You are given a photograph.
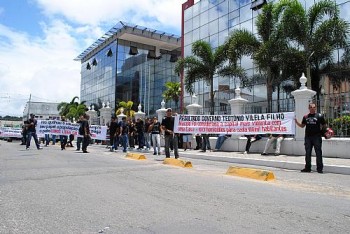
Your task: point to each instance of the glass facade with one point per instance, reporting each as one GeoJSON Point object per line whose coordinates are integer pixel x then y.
{"type": "Point", "coordinates": [125, 71]}
{"type": "Point", "coordinates": [212, 21]}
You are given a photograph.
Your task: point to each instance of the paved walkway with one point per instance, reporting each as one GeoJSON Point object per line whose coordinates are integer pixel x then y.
{"type": "Point", "coordinates": [331, 165]}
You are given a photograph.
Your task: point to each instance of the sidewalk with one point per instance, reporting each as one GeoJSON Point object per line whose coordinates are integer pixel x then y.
{"type": "Point", "coordinates": [331, 165]}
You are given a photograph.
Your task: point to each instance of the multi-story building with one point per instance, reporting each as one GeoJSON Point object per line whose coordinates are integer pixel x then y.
{"type": "Point", "coordinates": [129, 63]}
{"type": "Point", "coordinates": [213, 21]}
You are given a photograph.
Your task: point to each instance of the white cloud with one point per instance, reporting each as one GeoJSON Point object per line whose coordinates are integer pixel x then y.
{"type": "Point", "coordinates": [44, 67]}
{"type": "Point", "coordinates": [148, 13]}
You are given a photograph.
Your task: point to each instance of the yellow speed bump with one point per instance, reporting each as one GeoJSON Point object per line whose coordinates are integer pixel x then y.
{"type": "Point", "coordinates": [251, 173]}
{"type": "Point", "coordinates": [177, 162]}
{"type": "Point", "coordinates": [135, 156]}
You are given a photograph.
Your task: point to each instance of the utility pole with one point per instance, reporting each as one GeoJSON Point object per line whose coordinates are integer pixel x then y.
{"type": "Point", "coordinates": [30, 98]}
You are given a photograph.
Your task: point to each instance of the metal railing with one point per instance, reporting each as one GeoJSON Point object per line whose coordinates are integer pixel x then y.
{"type": "Point", "coordinates": [335, 108]}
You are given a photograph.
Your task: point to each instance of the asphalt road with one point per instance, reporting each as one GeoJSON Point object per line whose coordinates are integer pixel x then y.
{"type": "Point", "coordinates": [54, 191]}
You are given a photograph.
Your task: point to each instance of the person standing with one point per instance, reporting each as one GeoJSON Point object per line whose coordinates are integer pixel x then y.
{"type": "Point", "coordinates": [63, 138]}
{"type": "Point", "coordinates": [154, 128]}
{"type": "Point", "coordinates": [147, 133]}
{"type": "Point", "coordinates": [186, 141]}
{"type": "Point", "coordinates": [31, 132]}
{"type": "Point", "coordinates": [169, 135]}
{"type": "Point", "coordinates": [86, 131]}
{"type": "Point", "coordinates": [314, 123]}
{"type": "Point", "coordinates": [205, 143]}
{"type": "Point", "coordinates": [140, 129]}
{"type": "Point", "coordinates": [24, 133]}
{"type": "Point", "coordinates": [124, 130]}
{"type": "Point", "coordinates": [80, 132]}
{"type": "Point", "coordinates": [114, 134]}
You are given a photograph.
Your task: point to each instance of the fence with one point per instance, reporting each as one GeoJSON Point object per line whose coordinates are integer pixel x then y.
{"type": "Point", "coordinates": [335, 108]}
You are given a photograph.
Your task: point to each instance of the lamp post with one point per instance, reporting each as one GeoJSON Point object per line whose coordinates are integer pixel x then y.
{"type": "Point", "coordinates": [308, 70]}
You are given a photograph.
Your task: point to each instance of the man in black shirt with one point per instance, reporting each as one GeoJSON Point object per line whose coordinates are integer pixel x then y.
{"type": "Point", "coordinates": [114, 133]}
{"type": "Point", "coordinates": [169, 135]}
{"type": "Point", "coordinates": [314, 123]}
{"type": "Point", "coordinates": [86, 132]}
{"type": "Point", "coordinates": [31, 132]}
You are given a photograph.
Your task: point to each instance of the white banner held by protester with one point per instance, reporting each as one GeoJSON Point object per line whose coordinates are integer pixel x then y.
{"type": "Point", "coordinates": [7, 132]}
{"type": "Point", "coordinates": [56, 127]}
{"type": "Point", "coordinates": [274, 123]}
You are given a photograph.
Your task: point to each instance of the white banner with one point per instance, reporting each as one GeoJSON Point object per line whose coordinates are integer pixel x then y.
{"type": "Point", "coordinates": [11, 132]}
{"type": "Point", "coordinates": [56, 127]}
{"type": "Point", "coordinates": [274, 123]}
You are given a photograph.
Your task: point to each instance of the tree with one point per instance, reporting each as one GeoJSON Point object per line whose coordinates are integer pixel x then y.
{"type": "Point", "coordinates": [275, 58]}
{"type": "Point", "coordinates": [202, 66]}
{"type": "Point", "coordinates": [172, 92]}
{"type": "Point", "coordinates": [73, 109]}
{"type": "Point", "coordinates": [316, 33]}
{"type": "Point", "coordinates": [127, 108]}
{"type": "Point", "coordinates": [240, 43]}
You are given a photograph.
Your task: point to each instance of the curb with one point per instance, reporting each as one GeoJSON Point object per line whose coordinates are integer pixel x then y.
{"type": "Point", "coordinates": [135, 156]}
{"type": "Point", "coordinates": [251, 173]}
{"type": "Point", "coordinates": [177, 162]}
{"type": "Point", "coordinates": [336, 169]}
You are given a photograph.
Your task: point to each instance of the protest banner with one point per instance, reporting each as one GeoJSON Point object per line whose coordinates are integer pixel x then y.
{"type": "Point", "coordinates": [8, 132]}
{"type": "Point", "coordinates": [57, 127]}
{"type": "Point", "coordinates": [274, 123]}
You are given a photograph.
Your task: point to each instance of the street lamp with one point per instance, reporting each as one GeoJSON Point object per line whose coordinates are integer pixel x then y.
{"type": "Point", "coordinates": [308, 70]}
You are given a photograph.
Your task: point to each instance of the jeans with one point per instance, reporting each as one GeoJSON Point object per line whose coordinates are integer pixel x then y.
{"type": "Point", "coordinates": [206, 142]}
{"type": "Point", "coordinates": [156, 143]}
{"type": "Point", "coordinates": [168, 140]}
{"type": "Point", "coordinates": [124, 141]}
{"type": "Point", "coordinates": [316, 142]}
{"type": "Point", "coordinates": [29, 138]}
{"type": "Point", "coordinates": [79, 141]}
{"type": "Point", "coordinates": [147, 139]}
{"type": "Point", "coordinates": [219, 142]}
{"type": "Point", "coordinates": [63, 140]}
{"type": "Point", "coordinates": [47, 139]}
{"type": "Point", "coordinates": [86, 142]}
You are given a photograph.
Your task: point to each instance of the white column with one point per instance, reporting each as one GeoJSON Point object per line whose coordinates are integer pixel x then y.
{"type": "Point", "coordinates": [161, 112]}
{"type": "Point", "coordinates": [193, 108]}
{"type": "Point", "coordinates": [237, 103]}
{"type": "Point", "coordinates": [105, 114]}
{"type": "Point", "coordinates": [93, 115]}
{"type": "Point", "coordinates": [139, 114]}
{"type": "Point", "coordinates": [121, 115]}
{"type": "Point", "coordinates": [302, 97]}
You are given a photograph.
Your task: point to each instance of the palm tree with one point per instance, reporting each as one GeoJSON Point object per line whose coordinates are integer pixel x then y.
{"type": "Point", "coordinates": [73, 109]}
{"type": "Point", "coordinates": [172, 92]}
{"type": "Point", "coordinates": [316, 33]}
{"type": "Point", "coordinates": [126, 107]}
{"type": "Point", "coordinates": [240, 43]}
{"type": "Point", "coordinates": [202, 66]}
{"type": "Point", "coordinates": [63, 107]}
{"type": "Point", "coordinates": [275, 59]}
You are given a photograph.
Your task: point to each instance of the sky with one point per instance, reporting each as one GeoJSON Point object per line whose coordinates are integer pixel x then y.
{"type": "Point", "coordinates": [40, 38]}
